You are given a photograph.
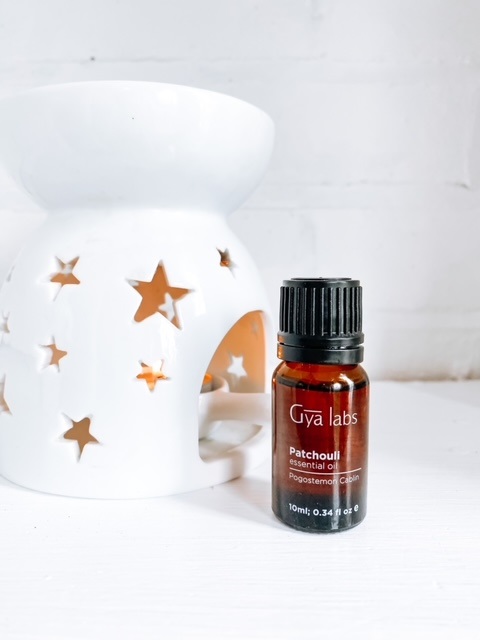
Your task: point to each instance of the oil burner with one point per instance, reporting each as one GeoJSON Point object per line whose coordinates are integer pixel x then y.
{"type": "Point", "coordinates": [133, 325]}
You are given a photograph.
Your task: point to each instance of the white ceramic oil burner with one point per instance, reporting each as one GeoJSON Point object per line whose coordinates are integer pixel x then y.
{"type": "Point", "coordinates": [134, 296]}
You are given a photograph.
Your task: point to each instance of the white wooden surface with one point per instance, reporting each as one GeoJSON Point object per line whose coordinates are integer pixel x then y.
{"type": "Point", "coordinates": [216, 564]}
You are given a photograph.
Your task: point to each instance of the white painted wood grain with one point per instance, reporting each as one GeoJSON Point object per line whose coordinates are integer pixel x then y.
{"type": "Point", "coordinates": [216, 564]}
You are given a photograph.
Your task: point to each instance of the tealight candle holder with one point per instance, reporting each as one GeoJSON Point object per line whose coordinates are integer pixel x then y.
{"type": "Point", "coordinates": [134, 295]}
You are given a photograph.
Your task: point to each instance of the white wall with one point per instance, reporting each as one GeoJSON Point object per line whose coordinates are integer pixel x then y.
{"type": "Point", "coordinates": [376, 172]}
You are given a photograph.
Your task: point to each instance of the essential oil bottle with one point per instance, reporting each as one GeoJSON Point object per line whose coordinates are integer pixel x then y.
{"type": "Point", "coordinates": [320, 406]}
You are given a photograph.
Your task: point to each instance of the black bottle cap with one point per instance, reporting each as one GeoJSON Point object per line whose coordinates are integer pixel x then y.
{"type": "Point", "coordinates": [321, 321]}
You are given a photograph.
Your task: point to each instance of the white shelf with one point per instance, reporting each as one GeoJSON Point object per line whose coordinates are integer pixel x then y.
{"type": "Point", "coordinates": [217, 564]}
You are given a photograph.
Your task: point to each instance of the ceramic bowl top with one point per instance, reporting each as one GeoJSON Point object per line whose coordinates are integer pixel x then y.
{"type": "Point", "coordinates": [144, 144]}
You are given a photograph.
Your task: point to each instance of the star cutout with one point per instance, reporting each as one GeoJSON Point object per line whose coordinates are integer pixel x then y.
{"type": "Point", "coordinates": [4, 408]}
{"type": "Point", "coordinates": [80, 432]}
{"type": "Point", "coordinates": [159, 297]}
{"type": "Point", "coordinates": [56, 354]}
{"type": "Point", "coordinates": [152, 374]}
{"type": "Point", "coordinates": [65, 273]}
{"type": "Point", "coordinates": [226, 260]}
{"type": "Point", "coordinates": [236, 367]}
{"type": "Point", "coordinates": [4, 324]}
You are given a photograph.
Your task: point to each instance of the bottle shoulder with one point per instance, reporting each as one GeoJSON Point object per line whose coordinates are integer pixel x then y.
{"type": "Point", "coordinates": [325, 377]}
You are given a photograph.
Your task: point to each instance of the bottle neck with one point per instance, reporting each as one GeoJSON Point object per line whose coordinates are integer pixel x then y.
{"type": "Point", "coordinates": [312, 355]}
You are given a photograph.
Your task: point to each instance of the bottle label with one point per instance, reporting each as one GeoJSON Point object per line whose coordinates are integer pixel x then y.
{"type": "Point", "coordinates": [320, 457]}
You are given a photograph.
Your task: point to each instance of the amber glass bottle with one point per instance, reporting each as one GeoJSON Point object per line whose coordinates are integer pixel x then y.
{"type": "Point", "coordinates": [320, 406]}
